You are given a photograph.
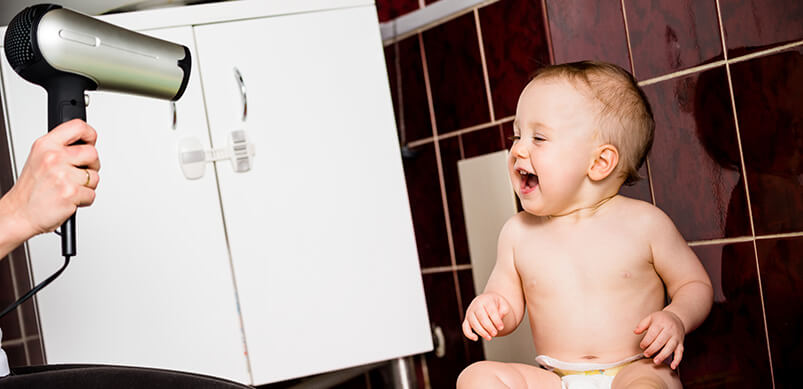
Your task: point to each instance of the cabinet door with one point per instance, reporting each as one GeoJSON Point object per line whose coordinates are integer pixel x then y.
{"type": "Point", "coordinates": [320, 229]}
{"type": "Point", "coordinates": [151, 283]}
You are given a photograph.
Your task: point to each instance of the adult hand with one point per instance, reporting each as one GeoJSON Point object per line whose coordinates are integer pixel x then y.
{"type": "Point", "coordinates": [484, 316]}
{"type": "Point", "coordinates": [57, 178]}
{"type": "Point", "coordinates": [665, 334]}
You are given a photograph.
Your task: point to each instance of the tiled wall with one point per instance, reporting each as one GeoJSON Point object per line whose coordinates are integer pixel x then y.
{"type": "Point", "coordinates": [727, 164]}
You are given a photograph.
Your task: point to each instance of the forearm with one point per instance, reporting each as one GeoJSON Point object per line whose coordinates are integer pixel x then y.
{"type": "Point", "coordinates": [13, 231]}
{"type": "Point", "coordinates": [691, 303]}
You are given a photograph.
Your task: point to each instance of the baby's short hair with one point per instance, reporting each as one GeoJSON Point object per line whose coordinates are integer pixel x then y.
{"type": "Point", "coordinates": [625, 117]}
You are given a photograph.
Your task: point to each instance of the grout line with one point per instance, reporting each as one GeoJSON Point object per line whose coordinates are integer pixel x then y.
{"type": "Point", "coordinates": [484, 65]}
{"type": "Point", "coordinates": [439, 164]}
{"type": "Point", "coordinates": [399, 94]}
{"type": "Point", "coordinates": [781, 236]}
{"type": "Point", "coordinates": [462, 150]}
{"type": "Point", "coordinates": [740, 239]}
{"type": "Point", "coordinates": [682, 73]}
{"type": "Point", "coordinates": [427, 17]}
{"type": "Point", "coordinates": [649, 180]}
{"type": "Point", "coordinates": [444, 269]}
{"type": "Point", "coordinates": [18, 341]}
{"type": "Point", "coordinates": [746, 186]}
{"type": "Point", "coordinates": [627, 38]}
{"type": "Point", "coordinates": [762, 53]}
{"type": "Point", "coordinates": [548, 32]}
{"type": "Point", "coordinates": [463, 131]}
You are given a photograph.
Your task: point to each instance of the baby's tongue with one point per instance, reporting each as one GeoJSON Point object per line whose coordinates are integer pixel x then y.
{"type": "Point", "coordinates": [532, 180]}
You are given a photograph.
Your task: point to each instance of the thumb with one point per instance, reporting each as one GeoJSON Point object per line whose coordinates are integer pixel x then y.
{"type": "Point", "coordinates": [643, 324]}
{"type": "Point", "coordinates": [503, 306]}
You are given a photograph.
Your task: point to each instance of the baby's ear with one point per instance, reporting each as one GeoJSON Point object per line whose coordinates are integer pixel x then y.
{"type": "Point", "coordinates": [605, 161]}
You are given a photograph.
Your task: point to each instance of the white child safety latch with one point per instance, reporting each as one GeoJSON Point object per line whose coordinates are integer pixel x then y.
{"type": "Point", "coordinates": [193, 158]}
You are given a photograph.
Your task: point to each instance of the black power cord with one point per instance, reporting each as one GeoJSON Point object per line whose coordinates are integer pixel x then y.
{"type": "Point", "coordinates": [36, 289]}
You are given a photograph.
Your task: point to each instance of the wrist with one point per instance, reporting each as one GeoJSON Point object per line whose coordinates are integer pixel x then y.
{"type": "Point", "coordinates": [668, 309]}
{"type": "Point", "coordinates": [14, 227]}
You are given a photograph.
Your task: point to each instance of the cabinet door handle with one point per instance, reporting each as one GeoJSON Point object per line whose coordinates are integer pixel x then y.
{"type": "Point", "coordinates": [243, 96]}
{"type": "Point", "coordinates": [173, 113]}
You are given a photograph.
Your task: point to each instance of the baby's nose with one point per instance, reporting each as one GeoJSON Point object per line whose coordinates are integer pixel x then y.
{"type": "Point", "coordinates": [519, 151]}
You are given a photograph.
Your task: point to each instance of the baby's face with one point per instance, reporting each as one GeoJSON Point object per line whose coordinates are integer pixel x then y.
{"type": "Point", "coordinates": [549, 160]}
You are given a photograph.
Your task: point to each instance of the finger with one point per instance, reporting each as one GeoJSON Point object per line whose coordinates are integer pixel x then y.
{"type": "Point", "coordinates": [73, 131]}
{"type": "Point", "coordinates": [650, 336]}
{"type": "Point", "coordinates": [665, 352]}
{"type": "Point", "coordinates": [83, 155]}
{"type": "Point", "coordinates": [88, 178]}
{"type": "Point", "coordinates": [467, 331]}
{"type": "Point", "coordinates": [477, 327]}
{"type": "Point", "coordinates": [497, 320]}
{"type": "Point", "coordinates": [488, 322]}
{"type": "Point", "coordinates": [678, 357]}
{"type": "Point", "coordinates": [504, 309]}
{"type": "Point", "coordinates": [85, 197]}
{"type": "Point", "coordinates": [643, 325]}
{"type": "Point", "coordinates": [657, 344]}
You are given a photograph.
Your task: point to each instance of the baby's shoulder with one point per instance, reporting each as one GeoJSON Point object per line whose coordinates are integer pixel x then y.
{"type": "Point", "coordinates": [641, 214]}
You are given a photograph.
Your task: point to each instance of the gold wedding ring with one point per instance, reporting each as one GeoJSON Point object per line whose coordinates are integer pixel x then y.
{"type": "Point", "coordinates": [88, 177]}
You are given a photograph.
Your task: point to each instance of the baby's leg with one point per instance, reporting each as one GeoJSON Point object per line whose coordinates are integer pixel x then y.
{"type": "Point", "coordinates": [492, 375]}
{"type": "Point", "coordinates": [645, 374]}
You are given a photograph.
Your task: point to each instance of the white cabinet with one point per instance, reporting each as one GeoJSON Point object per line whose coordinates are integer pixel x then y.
{"type": "Point", "coordinates": [304, 264]}
{"type": "Point", "coordinates": [320, 230]}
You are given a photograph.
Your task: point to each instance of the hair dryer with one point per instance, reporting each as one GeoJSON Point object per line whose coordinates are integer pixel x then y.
{"type": "Point", "coordinates": [67, 52]}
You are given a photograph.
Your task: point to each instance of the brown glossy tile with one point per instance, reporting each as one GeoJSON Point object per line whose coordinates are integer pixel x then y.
{"type": "Point", "coordinates": [450, 155]}
{"type": "Point", "coordinates": [781, 264]}
{"type": "Point", "coordinates": [23, 278]}
{"type": "Point", "coordinates": [408, 90]}
{"type": "Point", "coordinates": [670, 35]}
{"type": "Point", "coordinates": [441, 296]}
{"type": "Point", "coordinates": [474, 350]}
{"type": "Point", "coordinates": [695, 162]}
{"type": "Point", "coordinates": [729, 350]}
{"type": "Point", "coordinates": [455, 74]}
{"type": "Point", "coordinates": [769, 106]}
{"type": "Point", "coordinates": [16, 355]}
{"type": "Point", "coordinates": [641, 189]}
{"type": "Point", "coordinates": [751, 25]}
{"type": "Point", "coordinates": [358, 382]}
{"type": "Point", "coordinates": [423, 188]}
{"type": "Point", "coordinates": [507, 132]}
{"type": "Point", "coordinates": [588, 29]}
{"type": "Point", "coordinates": [515, 42]}
{"type": "Point", "coordinates": [481, 142]}
{"type": "Point", "coordinates": [9, 323]}
{"type": "Point", "coordinates": [392, 9]}
{"type": "Point", "coordinates": [35, 352]}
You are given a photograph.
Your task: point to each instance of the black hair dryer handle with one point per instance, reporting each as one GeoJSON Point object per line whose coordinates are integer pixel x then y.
{"type": "Point", "coordinates": [65, 101]}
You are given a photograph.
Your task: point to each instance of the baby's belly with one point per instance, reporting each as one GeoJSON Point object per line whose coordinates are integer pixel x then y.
{"type": "Point", "coordinates": [593, 330]}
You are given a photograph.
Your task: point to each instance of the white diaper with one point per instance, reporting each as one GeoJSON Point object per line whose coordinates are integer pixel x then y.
{"type": "Point", "coordinates": [581, 375]}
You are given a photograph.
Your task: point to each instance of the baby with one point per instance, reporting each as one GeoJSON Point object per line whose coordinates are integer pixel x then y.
{"type": "Point", "coordinates": [592, 268]}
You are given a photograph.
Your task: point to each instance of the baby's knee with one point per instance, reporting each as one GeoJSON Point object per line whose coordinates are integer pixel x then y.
{"type": "Point", "coordinates": [477, 375]}
{"type": "Point", "coordinates": [645, 382]}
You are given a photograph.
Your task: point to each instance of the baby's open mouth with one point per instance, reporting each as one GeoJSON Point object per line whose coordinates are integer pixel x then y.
{"type": "Point", "coordinates": [528, 181]}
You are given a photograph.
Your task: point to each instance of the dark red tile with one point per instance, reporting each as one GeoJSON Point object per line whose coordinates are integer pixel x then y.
{"type": "Point", "coordinates": [729, 350]}
{"type": "Point", "coordinates": [455, 74]}
{"type": "Point", "coordinates": [670, 35]}
{"type": "Point", "coordinates": [588, 30]}
{"type": "Point", "coordinates": [429, 222]}
{"type": "Point", "coordinates": [36, 352]}
{"type": "Point", "coordinates": [413, 120]}
{"type": "Point", "coordinates": [465, 278]}
{"type": "Point", "coordinates": [641, 189]}
{"type": "Point", "coordinates": [392, 9]}
{"type": "Point", "coordinates": [450, 155]}
{"type": "Point", "coordinates": [16, 355]}
{"type": "Point", "coordinates": [9, 323]}
{"type": "Point", "coordinates": [755, 24]}
{"type": "Point", "coordinates": [444, 313]}
{"type": "Point", "coordinates": [22, 273]}
{"type": "Point", "coordinates": [769, 106]}
{"type": "Point", "coordinates": [481, 142]}
{"type": "Point", "coordinates": [515, 42]}
{"type": "Point", "coordinates": [358, 382]}
{"type": "Point", "coordinates": [507, 133]}
{"type": "Point", "coordinates": [695, 163]}
{"type": "Point", "coordinates": [781, 264]}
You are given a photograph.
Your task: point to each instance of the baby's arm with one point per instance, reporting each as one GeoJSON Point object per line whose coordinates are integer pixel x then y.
{"type": "Point", "coordinates": [689, 289]}
{"type": "Point", "coordinates": [500, 308]}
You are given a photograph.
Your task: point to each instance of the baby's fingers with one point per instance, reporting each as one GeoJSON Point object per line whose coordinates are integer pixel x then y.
{"type": "Point", "coordinates": [467, 331]}
{"type": "Point", "coordinates": [496, 319]}
{"type": "Point", "coordinates": [657, 344]}
{"type": "Point", "coordinates": [666, 352]}
{"type": "Point", "coordinates": [477, 327]}
{"type": "Point", "coordinates": [678, 357]}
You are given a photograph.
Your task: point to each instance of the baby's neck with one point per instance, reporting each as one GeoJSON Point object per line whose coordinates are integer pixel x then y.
{"type": "Point", "coordinates": [582, 212]}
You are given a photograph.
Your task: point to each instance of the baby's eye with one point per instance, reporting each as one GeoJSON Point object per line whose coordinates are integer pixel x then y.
{"type": "Point", "coordinates": [538, 139]}
{"type": "Point", "coordinates": [513, 138]}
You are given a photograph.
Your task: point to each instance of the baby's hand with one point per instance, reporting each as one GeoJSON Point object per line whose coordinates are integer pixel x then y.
{"type": "Point", "coordinates": [665, 334]}
{"type": "Point", "coordinates": [484, 316]}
